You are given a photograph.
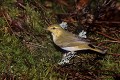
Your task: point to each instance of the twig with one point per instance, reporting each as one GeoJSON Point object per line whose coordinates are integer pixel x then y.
{"type": "Point", "coordinates": [43, 10]}
{"type": "Point", "coordinates": [21, 5]}
{"type": "Point", "coordinates": [108, 41]}
{"type": "Point", "coordinates": [107, 22]}
{"type": "Point", "coordinates": [108, 36]}
{"type": "Point", "coordinates": [35, 45]}
{"type": "Point", "coordinates": [112, 41]}
{"type": "Point", "coordinates": [114, 54]}
{"type": "Point", "coordinates": [7, 23]}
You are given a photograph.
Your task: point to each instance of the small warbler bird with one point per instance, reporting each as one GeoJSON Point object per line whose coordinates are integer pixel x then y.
{"type": "Point", "coordinates": [71, 42]}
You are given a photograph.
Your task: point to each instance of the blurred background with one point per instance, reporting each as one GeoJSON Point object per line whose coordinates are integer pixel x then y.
{"type": "Point", "coordinates": [27, 51]}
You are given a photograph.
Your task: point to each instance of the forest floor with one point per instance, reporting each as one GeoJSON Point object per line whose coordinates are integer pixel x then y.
{"type": "Point", "coordinates": [27, 51]}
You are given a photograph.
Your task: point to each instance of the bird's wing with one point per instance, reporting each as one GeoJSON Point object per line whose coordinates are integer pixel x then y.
{"type": "Point", "coordinates": [68, 36]}
{"type": "Point", "coordinates": [87, 40]}
{"type": "Point", "coordinates": [71, 44]}
{"type": "Point", "coordinates": [69, 40]}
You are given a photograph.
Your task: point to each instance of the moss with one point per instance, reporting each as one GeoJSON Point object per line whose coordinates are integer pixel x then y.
{"type": "Point", "coordinates": [29, 53]}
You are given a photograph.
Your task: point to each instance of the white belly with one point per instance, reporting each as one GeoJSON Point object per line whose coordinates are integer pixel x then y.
{"type": "Point", "coordinates": [72, 49]}
{"type": "Point", "coordinates": [54, 37]}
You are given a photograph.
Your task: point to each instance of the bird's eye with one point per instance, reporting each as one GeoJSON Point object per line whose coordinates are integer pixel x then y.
{"type": "Point", "coordinates": [53, 28]}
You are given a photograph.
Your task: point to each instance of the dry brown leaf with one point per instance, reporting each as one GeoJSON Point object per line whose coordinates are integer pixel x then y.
{"type": "Point", "coordinates": [62, 2]}
{"type": "Point", "coordinates": [81, 4]}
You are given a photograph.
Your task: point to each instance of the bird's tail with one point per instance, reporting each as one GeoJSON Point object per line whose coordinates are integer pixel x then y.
{"type": "Point", "coordinates": [97, 49]}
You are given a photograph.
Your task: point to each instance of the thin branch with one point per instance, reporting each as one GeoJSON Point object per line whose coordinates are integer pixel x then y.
{"type": "Point", "coordinates": [43, 10]}
{"type": "Point", "coordinates": [7, 23]}
{"type": "Point", "coordinates": [114, 54]}
{"type": "Point", "coordinates": [107, 22]}
{"type": "Point", "coordinates": [108, 36]}
{"type": "Point", "coordinates": [112, 41]}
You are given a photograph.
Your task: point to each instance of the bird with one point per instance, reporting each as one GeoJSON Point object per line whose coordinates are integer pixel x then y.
{"type": "Point", "coordinates": [71, 43]}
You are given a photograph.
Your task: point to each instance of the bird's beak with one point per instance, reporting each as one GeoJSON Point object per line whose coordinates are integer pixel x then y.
{"type": "Point", "coordinates": [46, 29]}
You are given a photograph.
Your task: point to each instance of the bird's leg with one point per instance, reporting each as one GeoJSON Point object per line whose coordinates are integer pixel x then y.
{"type": "Point", "coordinates": [71, 54]}
{"type": "Point", "coordinates": [67, 57]}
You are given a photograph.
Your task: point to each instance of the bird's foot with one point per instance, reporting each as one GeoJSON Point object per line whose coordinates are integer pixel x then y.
{"type": "Point", "coordinates": [66, 58]}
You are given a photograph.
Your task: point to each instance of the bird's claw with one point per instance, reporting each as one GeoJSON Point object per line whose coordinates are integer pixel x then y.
{"type": "Point", "coordinates": [66, 58]}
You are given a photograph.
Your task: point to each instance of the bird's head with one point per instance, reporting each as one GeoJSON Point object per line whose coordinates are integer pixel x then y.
{"type": "Point", "coordinates": [55, 29]}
